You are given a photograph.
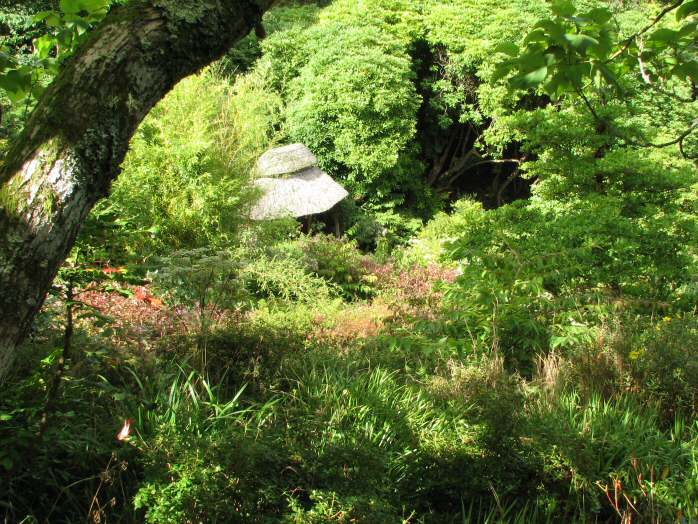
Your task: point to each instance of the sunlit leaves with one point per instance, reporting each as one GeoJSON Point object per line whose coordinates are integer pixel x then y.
{"type": "Point", "coordinates": [508, 48]}
{"type": "Point", "coordinates": [563, 8]}
{"type": "Point", "coordinates": [562, 53]}
{"type": "Point", "coordinates": [355, 105]}
{"type": "Point", "coordinates": [581, 43]}
{"type": "Point", "coordinates": [85, 8]}
{"type": "Point", "coordinates": [570, 50]}
{"type": "Point", "coordinates": [598, 16]}
{"type": "Point", "coordinates": [65, 29]}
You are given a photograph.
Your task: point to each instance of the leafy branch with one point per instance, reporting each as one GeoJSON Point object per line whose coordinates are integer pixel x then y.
{"type": "Point", "coordinates": [580, 54]}
{"type": "Point", "coordinates": [632, 39]}
{"type": "Point", "coordinates": [65, 28]}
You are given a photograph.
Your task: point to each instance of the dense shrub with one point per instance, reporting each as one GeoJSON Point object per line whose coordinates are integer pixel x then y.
{"type": "Point", "coordinates": [337, 261]}
{"type": "Point", "coordinates": [534, 274]}
{"type": "Point", "coordinates": [185, 181]}
{"type": "Point", "coordinates": [664, 364]}
{"type": "Point", "coordinates": [286, 280]}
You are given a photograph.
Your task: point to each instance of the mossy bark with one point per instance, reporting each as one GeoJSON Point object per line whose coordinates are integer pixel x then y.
{"type": "Point", "coordinates": [74, 142]}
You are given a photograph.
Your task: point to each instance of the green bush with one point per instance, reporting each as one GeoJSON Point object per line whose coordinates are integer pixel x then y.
{"type": "Point", "coordinates": [339, 262]}
{"type": "Point", "coordinates": [286, 280]}
{"type": "Point", "coordinates": [186, 179]}
{"type": "Point", "coordinates": [587, 445]}
{"type": "Point", "coordinates": [538, 275]}
{"type": "Point", "coordinates": [664, 364]}
{"type": "Point", "coordinates": [76, 469]}
{"type": "Point", "coordinates": [198, 464]}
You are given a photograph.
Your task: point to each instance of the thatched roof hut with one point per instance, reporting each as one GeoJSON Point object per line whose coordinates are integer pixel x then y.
{"type": "Point", "coordinates": [292, 185]}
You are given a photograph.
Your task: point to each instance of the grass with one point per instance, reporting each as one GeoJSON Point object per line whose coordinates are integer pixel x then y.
{"type": "Point", "coordinates": [307, 415]}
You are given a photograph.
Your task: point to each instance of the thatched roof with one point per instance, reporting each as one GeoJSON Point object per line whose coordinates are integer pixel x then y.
{"type": "Point", "coordinates": [306, 193]}
{"type": "Point", "coordinates": [285, 160]}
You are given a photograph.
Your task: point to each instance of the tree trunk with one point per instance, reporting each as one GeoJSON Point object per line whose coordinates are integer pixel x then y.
{"type": "Point", "coordinates": [71, 149]}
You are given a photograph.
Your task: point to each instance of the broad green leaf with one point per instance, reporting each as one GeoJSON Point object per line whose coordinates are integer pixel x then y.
{"type": "Point", "coordinates": [557, 85]}
{"type": "Point", "coordinates": [65, 38]}
{"type": "Point", "coordinates": [600, 15]}
{"type": "Point", "coordinates": [687, 9]}
{"type": "Point", "coordinates": [532, 79]}
{"type": "Point", "coordinates": [688, 30]}
{"type": "Point", "coordinates": [71, 7]}
{"type": "Point", "coordinates": [537, 35]}
{"type": "Point", "coordinates": [664, 35]}
{"type": "Point", "coordinates": [553, 29]}
{"type": "Point", "coordinates": [38, 89]}
{"type": "Point", "coordinates": [508, 48]}
{"type": "Point", "coordinates": [605, 45]}
{"type": "Point", "coordinates": [531, 61]}
{"type": "Point", "coordinates": [15, 82]}
{"type": "Point", "coordinates": [502, 69]}
{"type": "Point", "coordinates": [95, 6]}
{"type": "Point", "coordinates": [686, 69]}
{"type": "Point", "coordinates": [563, 8]}
{"type": "Point", "coordinates": [607, 75]}
{"type": "Point", "coordinates": [576, 73]}
{"type": "Point", "coordinates": [555, 51]}
{"type": "Point", "coordinates": [581, 20]}
{"type": "Point", "coordinates": [44, 45]}
{"type": "Point", "coordinates": [42, 15]}
{"type": "Point", "coordinates": [50, 18]}
{"type": "Point", "coordinates": [550, 59]}
{"type": "Point", "coordinates": [81, 27]}
{"type": "Point", "coordinates": [580, 42]}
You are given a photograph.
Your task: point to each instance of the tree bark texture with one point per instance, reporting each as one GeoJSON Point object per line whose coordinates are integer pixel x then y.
{"type": "Point", "coordinates": [73, 145]}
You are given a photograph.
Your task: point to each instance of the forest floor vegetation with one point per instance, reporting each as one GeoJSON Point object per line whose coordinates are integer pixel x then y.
{"type": "Point", "coordinates": [359, 407]}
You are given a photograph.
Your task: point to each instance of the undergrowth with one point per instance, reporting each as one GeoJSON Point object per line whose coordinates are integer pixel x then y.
{"type": "Point", "coordinates": [302, 414]}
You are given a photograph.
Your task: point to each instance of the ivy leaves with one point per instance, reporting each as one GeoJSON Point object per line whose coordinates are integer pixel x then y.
{"type": "Point", "coordinates": [572, 50]}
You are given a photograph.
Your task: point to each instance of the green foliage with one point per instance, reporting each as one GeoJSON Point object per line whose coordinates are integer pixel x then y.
{"type": "Point", "coordinates": [40, 40]}
{"type": "Point", "coordinates": [582, 55]}
{"type": "Point", "coordinates": [354, 104]}
{"type": "Point", "coordinates": [518, 284]}
{"type": "Point", "coordinates": [286, 280]}
{"type": "Point", "coordinates": [350, 90]}
{"type": "Point", "coordinates": [340, 263]}
{"type": "Point", "coordinates": [185, 182]}
{"type": "Point", "coordinates": [77, 461]}
{"type": "Point", "coordinates": [198, 276]}
{"type": "Point", "coordinates": [631, 450]}
{"type": "Point", "coordinates": [663, 360]}
{"type": "Point", "coordinates": [380, 228]}
{"type": "Point", "coordinates": [380, 431]}
{"type": "Point", "coordinates": [184, 484]}
{"type": "Point", "coordinates": [554, 380]}
{"type": "Point", "coordinates": [207, 280]}
{"type": "Point", "coordinates": [565, 52]}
